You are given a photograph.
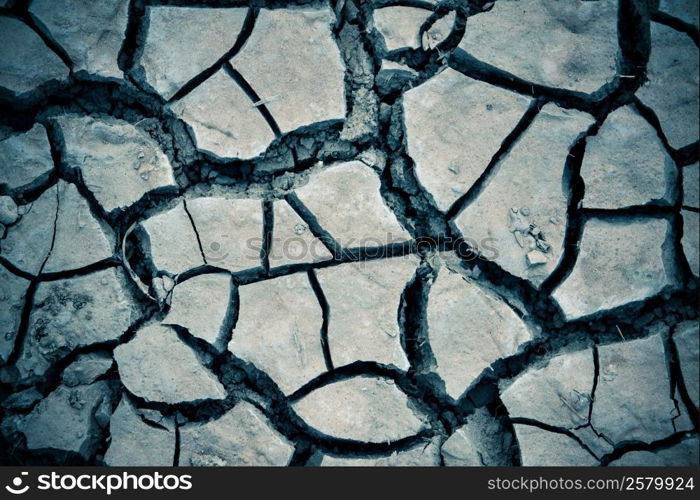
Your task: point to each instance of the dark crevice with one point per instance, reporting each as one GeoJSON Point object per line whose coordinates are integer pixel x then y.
{"type": "Point", "coordinates": [70, 173]}
{"type": "Point", "coordinates": [675, 262]}
{"type": "Point", "coordinates": [554, 429]}
{"type": "Point", "coordinates": [268, 233]}
{"type": "Point", "coordinates": [653, 211]}
{"type": "Point", "coordinates": [326, 314]}
{"type": "Point", "coordinates": [673, 380]}
{"type": "Point", "coordinates": [687, 155]}
{"type": "Point", "coordinates": [38, 27]}
{"type": "Point", "coordinates": [15, 270]}
{"type": "Point", "coordinates": [135, 34]}
{"type": "Point", "coordinates": [650, 116]}
{"type": "Point", "coordinates": [678, 382]}
{"type": "Point", "coordinates": [176, 452]}
{"type": "Point", "coordinates": [367, 368]}
{"type": "Point", "coordinates": [596, 378]}
{"type": "Point", "coordinates": [100, 432]}
{"type": "Point", "coordinates": [629, 446]}
{"type": "Point", "coordinates": [254, 98]}
{"type": "Point", "coordinates": [100, 265]}
{"type": "Point", "coordinates": [152, 424]}
{"type": "Point", "coordinates": [231, 317]}
{"type": "Point", "coordinates": [413, 311]}
{"type": "Point", "coordinates": [303, 454]}
{"type": "Point", "coordinates": [310, 219]}
{"type": "Point", "coordinates": [677, 24]}
{"type": "Point", "coordinates": [591, 397]}
{"type": "Point", "coordinates": [23, 328]}
{"type": "Point", "coordinates": [492, 168]}
{"type": "Point", "coordinates": [223, 61]}
{"type": "Point", "coordinates": [634, 40]}
{"type": "Point", "coordinates": [412, 204]}
{"type": "Point", "coordinates": [196, 232]}
{"type": "Point", "coordinates": [31, 191]}
{"type": "Point", "coordinates": [470, 66]}
{"type": "Point", "coordinates": [23, 324]}
{"type": "Point", "coordinates": [416, 4]}
{"type": "Point", "coordinates": [574, 188]}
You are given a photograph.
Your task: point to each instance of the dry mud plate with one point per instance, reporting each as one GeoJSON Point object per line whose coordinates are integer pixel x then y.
{"type": "Point", "coordinates": [400, 232]}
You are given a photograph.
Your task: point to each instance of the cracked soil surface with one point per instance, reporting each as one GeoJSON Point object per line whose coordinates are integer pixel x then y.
{"type": "Point", "coordinates": [355, 232]}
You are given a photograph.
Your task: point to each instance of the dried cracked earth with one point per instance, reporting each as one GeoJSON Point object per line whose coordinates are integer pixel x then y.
{"type": "Point", "coordinates": [400, 232]}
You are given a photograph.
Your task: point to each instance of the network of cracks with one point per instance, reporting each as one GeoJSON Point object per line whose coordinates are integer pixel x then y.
{"type": "Point", "coordinates": [400, 232]}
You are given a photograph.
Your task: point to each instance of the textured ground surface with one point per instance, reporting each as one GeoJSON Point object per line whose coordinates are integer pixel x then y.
{"type": "Point", "coordinates": [300, 233]}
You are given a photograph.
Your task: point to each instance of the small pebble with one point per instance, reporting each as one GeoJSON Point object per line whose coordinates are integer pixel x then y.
{"type": "Point", "coordinates": [536, 258]}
